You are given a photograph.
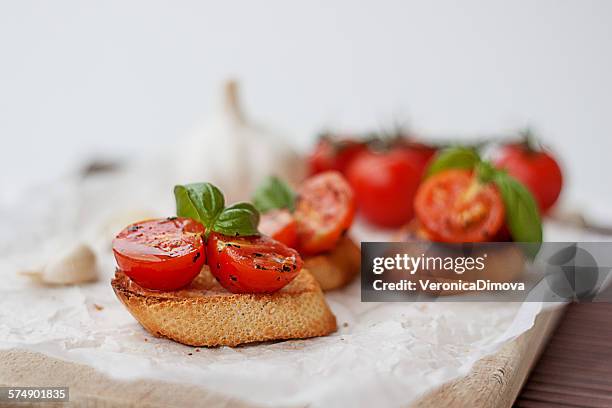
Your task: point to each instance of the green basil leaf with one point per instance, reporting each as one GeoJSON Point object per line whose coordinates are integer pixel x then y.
{"type": "Point", "coordinates": [201, 201]}
{"type": "Point", "coordinates": [274, 193]}
{"type": "Point", "coordinates": [238, 219]}
{"type": "Point", "coordinates": [522, 215]}
{"type": "Point", "coordinates": [453, 158]}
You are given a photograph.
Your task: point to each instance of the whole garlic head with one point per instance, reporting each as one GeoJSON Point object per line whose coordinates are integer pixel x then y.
{"type": "Point", "coordinates": [234, 153]}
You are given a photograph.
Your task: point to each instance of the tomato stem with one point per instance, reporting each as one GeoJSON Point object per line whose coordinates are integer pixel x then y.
{"type": "Point", "coordinates": [529, 141]}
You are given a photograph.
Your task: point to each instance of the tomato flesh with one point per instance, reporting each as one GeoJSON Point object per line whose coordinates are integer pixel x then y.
{"type": "Point", "coordinates": [281, 226]}
{"type": "Point", "coordinates": [454, 207]}
{"type": "Point", "coordinates": [161, 254]}
{"type": "Point", "coordinates": [251, 264]}
{"type": "Point", "coordinates": [537, 170]}
{"type": "Point", "coordinates": [324, 211]}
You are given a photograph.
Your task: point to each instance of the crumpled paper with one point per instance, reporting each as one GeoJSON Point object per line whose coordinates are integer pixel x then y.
{"type": "Point", "coordinates": [383, 354]}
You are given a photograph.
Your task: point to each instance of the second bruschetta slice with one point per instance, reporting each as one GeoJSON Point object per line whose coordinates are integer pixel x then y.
{"type": "Point", "coordinates": [314, 219]}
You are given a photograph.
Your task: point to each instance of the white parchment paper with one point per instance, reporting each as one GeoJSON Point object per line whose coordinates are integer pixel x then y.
{"type": "Point", "coordinates": [384, 354]}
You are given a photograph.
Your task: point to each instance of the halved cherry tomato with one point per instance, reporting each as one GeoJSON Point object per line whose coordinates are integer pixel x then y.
{"type": "Point", "coordinates": [455, 207]}
{"type": "Point", "coordinates": [161, 254]}
{"type": "Point", "coordinates": [324, 210]}
{"type": "Point", "coordinates": [279, 225]}
{"type": "Point", "coordinates": [251, 264]}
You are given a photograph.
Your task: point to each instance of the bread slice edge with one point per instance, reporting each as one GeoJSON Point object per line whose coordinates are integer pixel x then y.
{"type": "Point", "coordinates": [218, 319]}
{"type": "Point", "coordinates": [336, 268]}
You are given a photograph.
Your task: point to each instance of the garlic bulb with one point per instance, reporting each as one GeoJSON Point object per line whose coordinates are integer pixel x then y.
{"type": "Point", "coordinates": [76, 264]}
{"type": "Point", "coordinates": [234, 153]}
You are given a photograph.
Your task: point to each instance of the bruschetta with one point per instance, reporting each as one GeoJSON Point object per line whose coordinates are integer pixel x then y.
{"type": "Point", "coordinates": [208, 277]}
{"type": "Point", "coordinates": [314, 219]}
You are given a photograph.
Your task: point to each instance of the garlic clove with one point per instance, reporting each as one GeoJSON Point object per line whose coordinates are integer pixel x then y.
{"type": "Point", "coordinates": [75, 265]}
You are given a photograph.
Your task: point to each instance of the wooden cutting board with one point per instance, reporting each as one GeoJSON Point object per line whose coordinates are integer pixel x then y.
{"type": "Point", "coordinates": [494, 381]}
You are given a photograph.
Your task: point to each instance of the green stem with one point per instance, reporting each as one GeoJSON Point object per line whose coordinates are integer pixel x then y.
{"type": "Point", "coordinates": [529, 141]}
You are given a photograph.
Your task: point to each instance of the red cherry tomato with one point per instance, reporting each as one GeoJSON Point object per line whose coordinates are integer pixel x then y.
{"type": "Point", "coordinates": [537, 170]}
{"type": "Point", "coordinates": [251, 264]}
{"type": "Point", "coordinates": [334, 155]}
{"type": "Point", "coordinates": [453, 206]}
{"type": "Point", "coordinates": [324, 210]}
{"type": "Point", "coordinates": [161, 254]}
{"type": "Point", "coordinates": [281, 226]}
{"type": "Point", "coordinates": [418, 154]}
{"type": "Point", "coordinates": [385, 184]}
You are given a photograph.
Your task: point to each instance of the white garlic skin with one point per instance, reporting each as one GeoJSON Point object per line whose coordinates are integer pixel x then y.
{"type": "Point", "coordinates": [236, 154]}
{"type": "Point", "coordinates": [73, 266]}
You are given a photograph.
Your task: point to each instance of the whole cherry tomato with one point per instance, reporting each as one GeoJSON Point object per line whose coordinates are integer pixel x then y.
{"type": "Point", "coordinates": [385, 184]}
{"type": "Point", "coordinates": [454, 206]}
{"type": "Point", "coordinates": [330, 154]}
{"type": "Point", "coordinates": [419, 154]}
{"type": "Point", "coordinates": [280, 225]}
{"type": "Point", "coordinates": [251, 264]}
{"type": "Point", "coordinates": [324, 210]}
{"type": "Point", "coordinates": [161, 254]}
{"type": "Point", "coordinates": [537, 169]}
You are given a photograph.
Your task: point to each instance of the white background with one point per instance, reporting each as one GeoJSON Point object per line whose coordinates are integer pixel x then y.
{"type": "Point", "coordinates": [81, 78]}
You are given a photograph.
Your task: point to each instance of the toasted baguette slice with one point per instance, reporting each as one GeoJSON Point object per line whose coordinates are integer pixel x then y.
{"type": "Point", "coordinates": [205, 314]}
{"type": "Point", "coordinates": [336, 268]}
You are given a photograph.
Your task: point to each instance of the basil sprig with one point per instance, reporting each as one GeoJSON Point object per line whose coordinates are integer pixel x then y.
{"type": "Point", "coordinates": [272, 194]}
{"type": "Point", "coordinates": [522, 215]}
{"type": "Point", "coordinates": [205, 203]}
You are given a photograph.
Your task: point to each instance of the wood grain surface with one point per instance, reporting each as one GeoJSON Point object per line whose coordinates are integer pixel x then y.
{"type": "Point", "coordinates": [575, 370]}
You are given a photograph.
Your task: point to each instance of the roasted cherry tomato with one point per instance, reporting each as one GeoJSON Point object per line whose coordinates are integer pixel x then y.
{"type": "Point", "coordinates": [536, 169]}
{"type": "Point", "coordinates": [251, 264]}
{"type": "Point", "coordinates": [454, 206]}
{"type": "Point", "coordinates": [385, 184]}
{"type": "Point", "coordinates": [281, 226]}
{"type": "Point", "coordinates": [332, 154]}
{"type": "Point", "coordinates": [161, 254]}
{"type": "Point", "coordinates": [324, 210]}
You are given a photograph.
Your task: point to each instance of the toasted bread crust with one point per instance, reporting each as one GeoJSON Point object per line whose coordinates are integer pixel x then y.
{"type": "Point", "coordinates": [336, 268]}
{"type": "Point", "coordinates": [205, 314]}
